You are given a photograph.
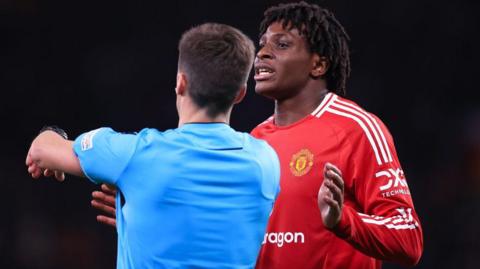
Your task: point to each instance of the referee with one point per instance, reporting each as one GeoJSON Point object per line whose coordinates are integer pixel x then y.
{"type": "Point", "coordinates": [197, 196]}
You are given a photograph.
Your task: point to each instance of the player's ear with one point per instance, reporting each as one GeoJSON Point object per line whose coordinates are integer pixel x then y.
{"type": "Point", "coordinates": [181, 86]}
{"type": "Point", "coordinates": [320, 66]}
{"type": "Point", "coordinates": [241, 94]}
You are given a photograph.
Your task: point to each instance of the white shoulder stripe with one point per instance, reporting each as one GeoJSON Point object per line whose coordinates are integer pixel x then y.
{"type": "Point", "coordinates": [374, 122]}
{"type": "Point", "coordinates": [369, 123]}
{"type": "Point", "coordinates": [362, 125]}
{"type": "Point", "coordinates": [327, 100]}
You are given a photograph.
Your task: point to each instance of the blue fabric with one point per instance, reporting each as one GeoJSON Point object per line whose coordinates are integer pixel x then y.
{"type": "Point", "coordinates": [195, 197]}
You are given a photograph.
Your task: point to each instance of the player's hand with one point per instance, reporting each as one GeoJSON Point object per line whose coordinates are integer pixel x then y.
{"type": "Point", "coordinates": [330, 196]}
{"type": "Point", "coordinates": [104, 201]}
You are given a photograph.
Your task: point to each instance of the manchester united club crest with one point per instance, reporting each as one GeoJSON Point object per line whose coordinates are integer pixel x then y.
{"type": "Point", "coordinates": [301, 162]}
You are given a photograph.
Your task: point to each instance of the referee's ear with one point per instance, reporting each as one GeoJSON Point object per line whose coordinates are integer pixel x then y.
{"type": "Point", "coordinates": [181, 86]}
{"type": "Point", "coordinates": [240, 95]}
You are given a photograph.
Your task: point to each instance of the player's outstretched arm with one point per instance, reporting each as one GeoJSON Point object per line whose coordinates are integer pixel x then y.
{"type": "Point", "coordinates": [104, 200]}
{"type": "Point", "coordinates": [381, 221]}
{"type": "Point", "coordinates": [50, 154]}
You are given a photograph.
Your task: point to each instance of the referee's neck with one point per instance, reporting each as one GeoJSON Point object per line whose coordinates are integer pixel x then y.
{"type": "Point", "coordinates": [201, 116]}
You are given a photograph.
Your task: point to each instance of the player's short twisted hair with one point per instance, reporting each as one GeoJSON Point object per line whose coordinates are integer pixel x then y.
{"type": "Point", "coordinates": [323, 33]}
{"type": "Point", "coordinates": [217, 60]}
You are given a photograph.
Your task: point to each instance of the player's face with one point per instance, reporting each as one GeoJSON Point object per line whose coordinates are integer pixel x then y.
{"type": "Point", "coordinates": [283, 63]}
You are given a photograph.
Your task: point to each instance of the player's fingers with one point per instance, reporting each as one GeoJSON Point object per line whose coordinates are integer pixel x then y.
{"type": "Point", "coordinates": [103, 207]}
{"type": "Point", "coordinates": [105, 198]}
{"type": "Point", "coordinates": [109, 189]}
{"type": "Point", "coordinates": [97, 194]}
{"type": "Point", "coordinates": [332, 203]}
{"type": "Point", "coordinates": [323, 189]}
{"type": "Point", "coordinates": [326, 192]}
{"type": "Point", "coordinates": [337, 193]}
{"type": "Point", "coordinates": [335, 177]}
{"type": "Point", "coordinates": [333, 167]}
{"type": "Point", "coordinates": [107, 220]}
{"type": "Point", "coordinates": [329, 173]}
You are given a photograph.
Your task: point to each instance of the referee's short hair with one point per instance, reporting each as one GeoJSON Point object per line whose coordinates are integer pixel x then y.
{"type": "Point", "coordinates": [217, 60]}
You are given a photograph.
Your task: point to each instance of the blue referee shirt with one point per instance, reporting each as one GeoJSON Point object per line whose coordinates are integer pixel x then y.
{"type": "Point", "coordinates": [198, 196]}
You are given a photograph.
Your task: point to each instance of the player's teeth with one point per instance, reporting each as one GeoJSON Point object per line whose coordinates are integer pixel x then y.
{"type": "Point", "coordinates": [262, 70]}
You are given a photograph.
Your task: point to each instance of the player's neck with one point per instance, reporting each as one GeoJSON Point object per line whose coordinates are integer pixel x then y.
{"type": "Point", "coordinates": [291, 110]}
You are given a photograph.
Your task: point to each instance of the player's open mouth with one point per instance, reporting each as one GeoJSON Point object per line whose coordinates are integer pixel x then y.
{"type": "Point", "coordinates": [263, 73]}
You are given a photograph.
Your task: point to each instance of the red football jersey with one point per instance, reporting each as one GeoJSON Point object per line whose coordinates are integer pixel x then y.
{"type": "Point", "coordinates": [378, 220]}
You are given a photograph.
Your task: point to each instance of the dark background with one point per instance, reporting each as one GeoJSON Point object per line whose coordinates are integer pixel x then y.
{"type": "Point", "coordinates": [86, 64]}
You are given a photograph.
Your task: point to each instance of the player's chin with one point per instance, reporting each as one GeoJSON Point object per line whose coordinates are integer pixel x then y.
{"type": "Point", "coordinates": [265, 88]}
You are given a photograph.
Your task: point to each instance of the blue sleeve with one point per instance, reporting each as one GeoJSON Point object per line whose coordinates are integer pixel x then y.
{"type": "Point", "coordinates": [104, 154]}
{"type": "Point", "coordinates": [276, 170]}
{"type": "Point", "coordinates": [271, 171]}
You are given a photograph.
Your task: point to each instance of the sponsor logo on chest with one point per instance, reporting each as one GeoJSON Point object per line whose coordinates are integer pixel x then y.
{"type": "Point", "coordinates": [280, 238]}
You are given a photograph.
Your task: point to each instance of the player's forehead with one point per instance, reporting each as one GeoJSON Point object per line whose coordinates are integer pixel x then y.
{"type": "Point", "coordinates": [281, 28]}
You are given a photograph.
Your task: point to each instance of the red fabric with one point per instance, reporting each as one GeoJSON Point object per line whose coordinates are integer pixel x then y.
{"type": "Point", "coordinates": [341, 133]}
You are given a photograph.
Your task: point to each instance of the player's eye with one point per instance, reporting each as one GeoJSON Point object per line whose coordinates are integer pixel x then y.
{"type": "Point", "coordinates": [283, 45]}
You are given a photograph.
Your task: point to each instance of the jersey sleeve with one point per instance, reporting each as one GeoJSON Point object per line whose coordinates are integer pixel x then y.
{"type": "Point", "coordinates": [381, 222]}
{"type": "Point", "coordinates": [271, 171]}
{"type": "Point", "coordinates": [104, 154]}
